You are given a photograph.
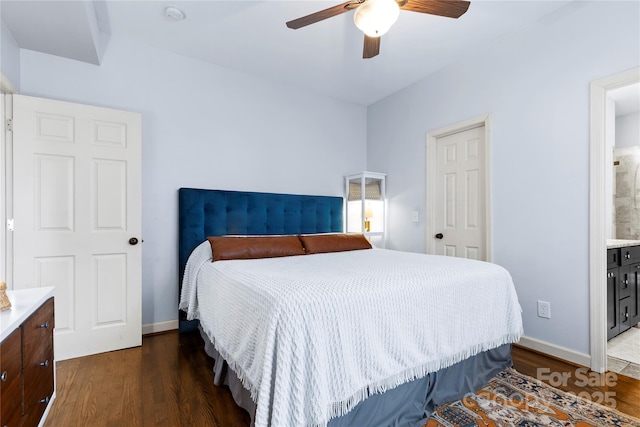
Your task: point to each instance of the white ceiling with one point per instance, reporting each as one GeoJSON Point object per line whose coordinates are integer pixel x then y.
{"type": "Point", "coordinates": [251, 36]}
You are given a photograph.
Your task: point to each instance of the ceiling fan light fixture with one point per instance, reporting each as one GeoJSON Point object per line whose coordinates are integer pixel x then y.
{"type": "Point", "coordinates": [375, 17]}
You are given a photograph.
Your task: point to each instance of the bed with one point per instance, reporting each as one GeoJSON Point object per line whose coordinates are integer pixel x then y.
{"type": "Point", "coordinates": [336, 338]}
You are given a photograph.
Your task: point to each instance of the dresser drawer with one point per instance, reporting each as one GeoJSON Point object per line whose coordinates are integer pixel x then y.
{"type": "Point", "coordinates": [38, 380]}
{"type": "Point", "coordinates": [41, 356]}
{"type": "Point", "coordinates": [38, 331]}
{"type": "Point", "coordinates": [38, 361]}
{"type": "Point", "coordinates": [16, 420]}
{"type": "Point", "coordinates": [10, 377]}
{"type": "Point", "coordinates": [38, 393]}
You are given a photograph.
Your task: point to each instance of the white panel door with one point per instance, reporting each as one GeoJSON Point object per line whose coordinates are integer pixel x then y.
{"type": "Point", "coordinates": [460, 194]}
{"type": "Point", "coordinates": [77, 202]}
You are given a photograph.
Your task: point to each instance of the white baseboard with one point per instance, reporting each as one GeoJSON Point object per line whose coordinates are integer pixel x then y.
{"type": "Point", "coordinates": [563, 353]}
{"type": "Point", "coordinates": [153, 328]}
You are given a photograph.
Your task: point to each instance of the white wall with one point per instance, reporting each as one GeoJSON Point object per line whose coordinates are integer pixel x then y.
{"type": "Point", "coordinates": [535, 85]}
{"type": "Point", "coordinates": [205, 126]}
{"type": "Point", "coordinates": [9, 56]}
{"type": "Point", "coordinates": [628, 130]}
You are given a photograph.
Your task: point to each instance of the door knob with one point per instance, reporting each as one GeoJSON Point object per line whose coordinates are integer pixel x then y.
{"type": "Point", "coordinates": [439, 236]}
{"type": "Point", "coordinates": [133, 241]}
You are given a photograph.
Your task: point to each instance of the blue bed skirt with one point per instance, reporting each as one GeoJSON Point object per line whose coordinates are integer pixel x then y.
{"type": "Point", "coordinates": [408, 405]}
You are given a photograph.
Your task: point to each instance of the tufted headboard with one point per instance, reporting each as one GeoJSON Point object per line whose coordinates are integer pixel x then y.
{"type": "Point", "coordinates": [204, 213]}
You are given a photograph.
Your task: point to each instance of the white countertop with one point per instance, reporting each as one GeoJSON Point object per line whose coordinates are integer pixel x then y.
{"type": "Point", "coordinates": [619, 243]}
{"type": "Point", "coordinates": [23, 303]}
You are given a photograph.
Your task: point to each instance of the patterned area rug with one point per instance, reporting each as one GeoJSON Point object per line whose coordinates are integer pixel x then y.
{"type": "Point", "coordinates": [513, 399]}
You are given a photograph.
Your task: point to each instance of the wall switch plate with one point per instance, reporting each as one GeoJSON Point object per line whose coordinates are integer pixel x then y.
{"type": "Point", "coordinates": [415, 216]}
{"type": "Point", "coordinates": [544, 309]}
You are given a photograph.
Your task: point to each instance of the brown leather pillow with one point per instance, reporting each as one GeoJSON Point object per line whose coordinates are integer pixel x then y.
{"type": "Point", "coordinates": [252, 247]}
{"type": "Point", "coordinates": [322, 243]}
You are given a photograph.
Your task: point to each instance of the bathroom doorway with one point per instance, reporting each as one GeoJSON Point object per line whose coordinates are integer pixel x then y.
{"type": "Point", "coordinates": [599, 205]}
{"type": "Point", "coordinates": [622, 215]}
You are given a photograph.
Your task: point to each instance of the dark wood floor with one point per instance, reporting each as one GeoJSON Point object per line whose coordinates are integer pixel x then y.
{"type": "Point", "coordinates": [168, 382]}
{"type": "Point", "coordinates": [610, 389]}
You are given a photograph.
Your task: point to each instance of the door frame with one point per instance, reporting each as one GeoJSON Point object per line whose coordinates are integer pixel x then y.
{"type": "Point", "coordinates": [6, 180]}
{"type": "Point", "coordinates": [432, 139]}
{"type": "Point", "coordinates": [597, 233]}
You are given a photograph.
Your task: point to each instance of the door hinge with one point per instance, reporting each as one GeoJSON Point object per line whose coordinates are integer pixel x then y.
{"type": "Point", "coordinates": [10, 224]}
{"type": "Point", "coordinates": [10, 125]}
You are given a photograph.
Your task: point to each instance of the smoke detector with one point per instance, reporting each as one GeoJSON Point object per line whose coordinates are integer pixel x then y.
{"type": "Point", "coordinates": [174, 14]}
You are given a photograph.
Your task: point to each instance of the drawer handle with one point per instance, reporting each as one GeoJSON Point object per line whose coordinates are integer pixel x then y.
{"type": "Point", "coordinates": [45, 363]}
{"type": "Point", "coordinates": [45, 400]}
{"type": "Point", "coordinates": [628, 256]}
{"type": "Point", "coordinates": [3, 377]}
{"type": "Point", "coordinates": [45, 325]}
{"type": "Point", "coordinates": [625, 282]}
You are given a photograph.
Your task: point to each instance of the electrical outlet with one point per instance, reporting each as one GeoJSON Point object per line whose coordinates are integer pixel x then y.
{"type": "Point", "coordinates": [544, 309]}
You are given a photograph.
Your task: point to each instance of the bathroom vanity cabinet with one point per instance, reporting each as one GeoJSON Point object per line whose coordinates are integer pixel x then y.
{"type": "Point", "coordinates": [623, 295]}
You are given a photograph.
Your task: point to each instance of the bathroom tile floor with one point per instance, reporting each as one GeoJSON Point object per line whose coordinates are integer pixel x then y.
{"type": "Point", "coordinates": [623, 353]}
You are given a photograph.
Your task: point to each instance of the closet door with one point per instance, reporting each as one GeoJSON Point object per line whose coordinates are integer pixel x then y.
{"type": "Point", "coordinates": [77, 211]}
{"type": "Point", "coordinates": [461, 195]}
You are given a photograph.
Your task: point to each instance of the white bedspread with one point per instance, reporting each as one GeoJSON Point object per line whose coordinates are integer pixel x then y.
{"type": "Point", "coordinates": [311, 336]}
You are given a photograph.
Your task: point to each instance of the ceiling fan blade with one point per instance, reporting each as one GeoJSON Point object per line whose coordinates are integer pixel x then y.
{"type": "Point", "coordinates": [371, 47]}
{"type": "Point", "coordinates": [323, 14]}
{"type": "Point", "coordinates": [448, 8]}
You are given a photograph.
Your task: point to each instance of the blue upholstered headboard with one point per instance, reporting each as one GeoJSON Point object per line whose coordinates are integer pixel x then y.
{"type": "Point", "coordinates": [204, 213]}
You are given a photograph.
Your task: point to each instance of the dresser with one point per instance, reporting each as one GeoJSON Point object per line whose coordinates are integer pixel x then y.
{"type": "Point", "coordinates": [27, 366]}
{"type": "Point", "coordinates": [623, 286]}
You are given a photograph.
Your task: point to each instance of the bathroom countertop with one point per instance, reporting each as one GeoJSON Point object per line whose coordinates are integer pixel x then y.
{"type": "Point", "coordinates": [619, 243]}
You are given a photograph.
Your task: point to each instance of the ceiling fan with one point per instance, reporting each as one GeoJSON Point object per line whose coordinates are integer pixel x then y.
{"type": "Point", "coordinates": [375, 17]}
